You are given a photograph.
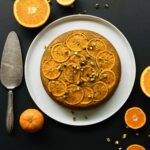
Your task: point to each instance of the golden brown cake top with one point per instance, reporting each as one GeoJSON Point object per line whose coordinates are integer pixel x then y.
{"type": "Point", "coordinates": [80, 68]}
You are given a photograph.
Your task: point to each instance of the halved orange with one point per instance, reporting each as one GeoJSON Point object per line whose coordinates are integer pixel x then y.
{"type": "Point", "coordinates": [71, 74]}
{"type": "Point", "coordinates": [105, 59]}
{"type": "Point", "coordinates": [51, 69]}
{"type": "Point", "coordinates": [77, 42]}
{"type": "Point", "coordinates": [135, 118]}
{"type": "Point", "coordinates": [60, 53]}
{"type": "Point", "coordinates": [95, 45]}
{"type": "Point", "coordinates": [88, 95]}
{"type": "Point", "coordinates": [135, 147]}
{"type": "Point", "coordinates": [57, 88]}
{"type": "Point", "coordinates": [108, 76]}
{"type": "Point", "coordinates": [31, 13]}
{"type": "Point", "coordinates": [145, 81]}
{"type": "Point", "coordinates": [100, 91]}
{"type": "Point", "coordinates": [75, 94]}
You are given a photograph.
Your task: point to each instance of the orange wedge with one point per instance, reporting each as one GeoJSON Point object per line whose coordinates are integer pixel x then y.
{"type": "Point", "coordinates": [31, 13]}
{"type": "Point", "coordinates": [145, 81]}
{"type": "Point", "coordinates": [135, 118]}
{"type": "Point", "coordinates": [135, 147]}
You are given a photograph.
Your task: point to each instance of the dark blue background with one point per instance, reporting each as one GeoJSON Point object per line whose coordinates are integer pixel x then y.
{"type": "Point", "coordinates": [132, 17]}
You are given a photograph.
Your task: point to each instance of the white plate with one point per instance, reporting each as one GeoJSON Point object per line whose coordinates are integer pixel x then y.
{"type": "Point", "coordinates": [32, 70]}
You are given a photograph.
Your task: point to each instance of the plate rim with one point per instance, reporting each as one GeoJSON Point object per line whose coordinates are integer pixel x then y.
{"type": "Point", "coordinates": [76, 17]}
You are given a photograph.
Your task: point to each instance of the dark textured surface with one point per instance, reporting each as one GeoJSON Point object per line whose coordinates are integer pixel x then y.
{"type": "Point", "coordinates": [132, 18]}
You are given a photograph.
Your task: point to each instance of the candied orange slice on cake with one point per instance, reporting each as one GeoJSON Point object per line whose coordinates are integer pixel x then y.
{"type": "Point", "coordinates": [72, 73]}
{"type": "Point", "coordinates": [108, 76]}
{"type": "Point", "coordinates": [74, 94]}
{"type": "Point", "coordinates": [105, 60]}
{"type": "Point", "coordinates": [88, 95]}
{"type": "Point", "coordinates": [135, 147]}
{"type": "Point", "coordinates": [60, 53]}
{"type": "Point", "coordinates": [57, 88]}
{"type": "Point", "coordinates": [77, 58]}
{"type": "Point", "coordinates": [77, 42]}
{"type": "Point", "coordinates": [88, 74]}
{"type": "Point", "coordinates": [51, 69]}
{"type": "Point", "coordinates": [95, 45]}
{"type": "Point", "coordinates": [100, 91]}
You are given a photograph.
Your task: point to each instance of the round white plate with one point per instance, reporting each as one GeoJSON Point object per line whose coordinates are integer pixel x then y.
{"type": "Point", "coordinates": [60, 113]}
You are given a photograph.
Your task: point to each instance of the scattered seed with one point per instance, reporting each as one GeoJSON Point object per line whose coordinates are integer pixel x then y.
{"type": "Point", "coordinates": [108, 139]}
{"type": "Point", "coordinates": [82, 69]}
{"type": "Point", "coordinates": [90, 48]}
{"type": "Point", "coordinates": [137, 134]}
{"type": "Point", "coordinates": [74, 118]}
{"type": "Point", "coordinates": [149, 135]}
{"type": "Point", "coordinates": [120, 148]}
{"type": "Point", "coordinates": [72, 112]}
{"type": "Point", "coordinates": [75, 53]}
{"type": "Point", "coordinates": [84, 12]}
{"type": "Point", "coordinates": [124, 136]}
{"type": "Point", "coordinates": [106, 5]}
{"type": "Point", "coordinates": [86, 117]}
{"type": "Point", "coordinates": [97, 5]}
{"type": "Point", "coordinates": [117, 142]}
{"type": "Point", "coordinates": [127, 127]}
{"type": "Point", "coordinates": [72, 6]}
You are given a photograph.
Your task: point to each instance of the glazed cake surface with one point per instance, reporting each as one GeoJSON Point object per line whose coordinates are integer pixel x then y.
{"type": "Point", "coordinates": [80, 69]}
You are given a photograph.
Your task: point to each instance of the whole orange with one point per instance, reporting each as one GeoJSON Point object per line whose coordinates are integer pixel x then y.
{"type": "Point", "coordinates": [31, 120]}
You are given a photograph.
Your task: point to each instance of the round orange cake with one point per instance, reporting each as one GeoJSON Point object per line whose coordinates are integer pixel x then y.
{"type": "Point", "coordinates": [80, 69]}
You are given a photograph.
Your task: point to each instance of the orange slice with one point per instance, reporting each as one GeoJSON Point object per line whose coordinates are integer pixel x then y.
{"type": "Point", "coordinates": [145, 81]}
{"type": "Point", "coordinates": [60, 53]}
{"type": "Point", "coordinates": [88, 95]}
{"type": "Point", "coordinates": [51, 69]}
{"type": "Point", "coordinates": [135, 118]}
{"type": "Point", "coordinates": [135, 147]}
{"type": "Point", "coordinates": [77, 59]}
{"type": "Point", "coordinates": [105, 60]}
{"type": "Point", "coordinates": [31, 13]}
{"type": "Point", "coordinates": [88, 74]}
{"type": "Point", "coordinates": [77, 42]}
{"type": "Point", "coordinates": [75, 94]}
{"type": "Point", "coordinates": [108, 76]}
{"type": "Point", "coordinates": [95, 45]}
{"type": "Point", "coordinates": [57, 88]}
{"type": "Point", "coordinates": [71, 73]}
{"type": "Point", "coordinates": [100, 91]}
{"type": "Point", "coordinates": [65, 2]}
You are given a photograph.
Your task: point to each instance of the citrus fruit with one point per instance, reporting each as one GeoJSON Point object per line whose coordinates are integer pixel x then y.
{"type": "Point", "coordinates": [135, 118]}
{"type": "Point", "coordinates": [88, 96]}
{"type": "Point", "coordinates": [108, 76]}
{"type": "Point", "coordinates": [71, 73]}
{"type": "Point", "coordinates": [75, 94]}
{"type": "Point", "coordinates": [135, 147]}
{"type": "Point", "coordinates": [95, 45]}
{"type": "Point", "coordinates": [145, 81]}
{"type": "Point", "coordinates": [31, 13]}
{"type": "Point", "coordinates": [100, 91]}
{"type": "Point", "coordinates": [57, 88]}
{"type": "Point", "coordinates": [51, 69]}
{"type": "Point", "coordinates": [105, 59]}
{"type": "Point", "coordinates": [60, 53]}
{"type": "Point", "coordinates": [65, 2]}
{"type": "Point", "coordinates": [77, 42]}
{"type": "Point", "coordinates": [31, 120]}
